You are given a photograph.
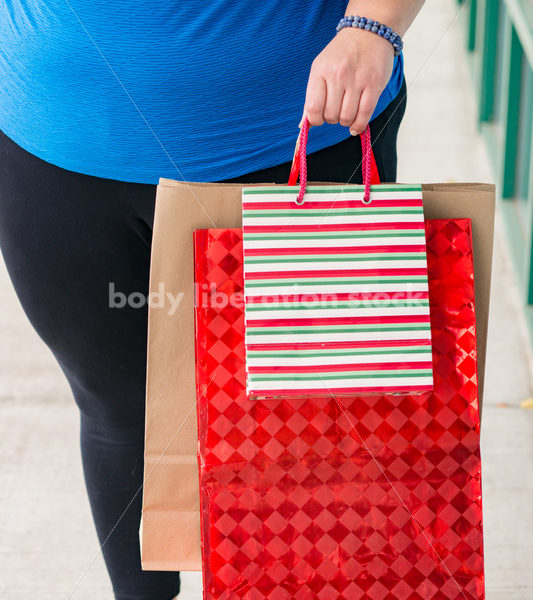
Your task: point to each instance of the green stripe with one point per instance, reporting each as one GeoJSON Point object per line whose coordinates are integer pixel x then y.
{"type": "Point", "coordinates": [315, 189]}
{"type": "Point", "coordinates": [302, 306]}
{"type": "Point", "coordinates": [331, 212]}
{"type": "Point", "coordinates": [332, 281]}
{"type": "Point", "coordinates": [314, 329]}
{"type": "Point", "coordinates": [334, 258]}
{"type": "Point", "coordinates": [249, 237]}
{"type": "Point", "coordinates": [313, 354]}
{"type": "Point", "coordinates": [342, 375]}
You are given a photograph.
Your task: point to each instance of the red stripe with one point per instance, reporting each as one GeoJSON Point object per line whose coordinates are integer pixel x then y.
{"type": "Point", "coordinates": [331, 204]}
{"type": "Point", "coordinates": [342, 367]}
{"type": "Point", "coordinates": [337, 321]}
{"type": "Point", "coordinates": [338, 345]}
{"type": "Point", "coordinates": [346, 296]}
{"type": "Point", "coordinates": [334, 273]}
{"type": "Point", "coordinates": [335, 391]}
{"type": "Point", "coordinates": [391, 249]}
{"type": "Point", "coordinates": [331, 227]}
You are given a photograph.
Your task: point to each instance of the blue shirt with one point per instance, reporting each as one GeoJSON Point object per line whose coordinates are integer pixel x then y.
{"type": "Point", "coordinates": [136, 90]}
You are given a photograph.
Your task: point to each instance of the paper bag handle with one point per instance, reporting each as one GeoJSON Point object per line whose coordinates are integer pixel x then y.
{"type": "Point", "coordinates": [299, 163]}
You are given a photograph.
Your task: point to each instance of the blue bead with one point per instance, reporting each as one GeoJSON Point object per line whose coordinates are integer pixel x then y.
{"type": "Point", "coordinates": [375, 27]}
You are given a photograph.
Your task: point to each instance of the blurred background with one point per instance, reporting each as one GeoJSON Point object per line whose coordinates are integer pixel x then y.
{"type": "Point", "coordinates": [469, 69]}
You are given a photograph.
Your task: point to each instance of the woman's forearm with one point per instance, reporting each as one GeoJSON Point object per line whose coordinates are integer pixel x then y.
{"type": "Point", "coordinates": [397, 14]}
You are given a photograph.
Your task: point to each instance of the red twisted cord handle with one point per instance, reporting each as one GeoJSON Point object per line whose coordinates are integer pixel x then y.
{"type": "Point", "coordinates": [299, 162]}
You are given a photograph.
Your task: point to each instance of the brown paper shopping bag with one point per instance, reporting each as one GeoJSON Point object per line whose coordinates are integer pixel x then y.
{"type": "Point", "coordinates": [170, 530]}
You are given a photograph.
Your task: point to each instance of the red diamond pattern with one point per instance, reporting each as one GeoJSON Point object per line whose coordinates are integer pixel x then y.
{"type": "Point", "coordinates": [363, 498]}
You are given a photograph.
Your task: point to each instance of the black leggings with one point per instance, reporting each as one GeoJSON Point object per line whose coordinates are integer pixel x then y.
{"type": "Point", "coordinates": [65, 238]}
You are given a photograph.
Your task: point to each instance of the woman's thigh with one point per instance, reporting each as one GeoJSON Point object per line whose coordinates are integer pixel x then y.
{"type": "Point", "coordinates": [77, 248]}
{"type": "Point", "coordinates": [78, 252]}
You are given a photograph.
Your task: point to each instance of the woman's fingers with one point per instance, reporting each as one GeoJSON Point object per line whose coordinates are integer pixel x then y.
{"type": "Point", "coordinates": [346, 79]}
{"type": "Point", "coordinates": [315, 99]}
{"type": "Point", "coordinates": [330, 102]}
{"type": "Point", "coordinates": [338, 99]}
{"type": "Point", "coordinates": [367, 105]}
{"type": "Point", "coordinates": [350, 103]}
{"type": "Point", "coordinates": [334, 97]}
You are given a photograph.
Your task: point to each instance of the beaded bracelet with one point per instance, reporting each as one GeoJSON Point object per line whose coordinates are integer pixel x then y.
{"type": "Point", "coordinates": [375, 27]}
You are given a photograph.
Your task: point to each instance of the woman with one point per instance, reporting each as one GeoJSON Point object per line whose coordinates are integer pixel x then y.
{"type": "Point", "coordinates": [98, 100]}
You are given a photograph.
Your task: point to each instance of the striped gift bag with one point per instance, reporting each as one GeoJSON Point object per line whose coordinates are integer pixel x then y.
{"type": "Point", "coordinates": [336, 288]}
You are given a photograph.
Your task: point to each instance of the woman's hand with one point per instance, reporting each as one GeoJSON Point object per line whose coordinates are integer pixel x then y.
{"type": "Point", "coordinates": [347, 78]}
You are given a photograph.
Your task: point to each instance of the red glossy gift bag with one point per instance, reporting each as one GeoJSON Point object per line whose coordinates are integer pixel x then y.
{"type": "Point", "coordinates": [374, 498]}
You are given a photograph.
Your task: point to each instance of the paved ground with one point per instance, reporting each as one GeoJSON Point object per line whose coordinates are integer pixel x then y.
{"type": "Point", "coordinates": [48, 549]}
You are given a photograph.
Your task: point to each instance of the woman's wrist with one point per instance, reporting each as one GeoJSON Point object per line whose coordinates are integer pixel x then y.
{"type": "Point", "coordinates": [375, 27]}
{"type": "Point", "coordinates": [396, 14]}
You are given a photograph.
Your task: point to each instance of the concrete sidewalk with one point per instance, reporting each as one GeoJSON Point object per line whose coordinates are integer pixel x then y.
{"type": "Point", "coordinates": [48, 548]}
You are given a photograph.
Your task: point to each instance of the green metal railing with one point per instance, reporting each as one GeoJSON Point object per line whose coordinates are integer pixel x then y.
{"type": "Point", "coordinates": [499, 44]}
